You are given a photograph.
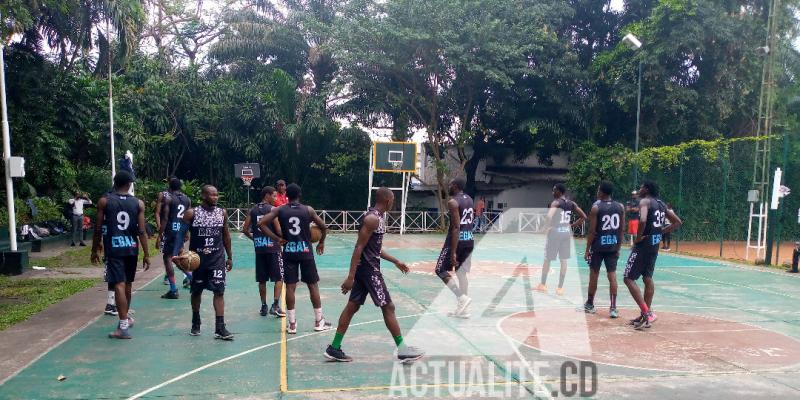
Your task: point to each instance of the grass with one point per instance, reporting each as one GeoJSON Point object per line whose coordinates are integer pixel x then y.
{"type": "Point", "coordinates": [79, 257]}
{"type": "Point", "coordinates": [22, 298]}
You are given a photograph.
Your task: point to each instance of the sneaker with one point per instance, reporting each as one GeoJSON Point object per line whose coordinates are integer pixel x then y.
{"type": "Point", "coordinates": [408, 354]}
{"type": "Point", "coordinates": [111, 310]}
{"type": "Point", "coordinates": [463, 315]}
{"type": "Point", "coordinates": [195, 330]}
{"type": "Point", "coordinates": [186, 283]}
{"type": "Point", "coordinates": [541, 288]}
{"type": "Point", "coordinates": [120, 334]}
{"type": "Point", "coordinates": [130, 322]}
{"type": "Point", "coordinates": [222, 334]}
{"type": "Point", "coordinates": [170, 295]}
{"type": "Point", "coordinates": [83, 244]}
{"type": "Point", "coordinates": [560, 291]}
{"type": "Point", "coordinates": [589, 308]}
{"type": "Point", "coordinates": [263, 311]}
{"type": "Point", "coordinates": [651, 316]}
{"type": "Point", "coordinates": [72, 244]}
{"type": "Point", "coordinates": [463, 302]}
{"type": "Point", "coordinates": [276, 311]}
{"type": "Point", "coordinates": [642, 323]}
{"type": "Point", "coordinates": [613, 313]}
{"type": "Point", "coordinates": [635, 320]}
{"type": "Point", "coordinates": [322, 325]}
{"type": "Point", "coordinates": [336, 355]}
{"type": "Point", "coordinates": [166, 280]}
{"type": "Point", "coordinates": [291, 328]}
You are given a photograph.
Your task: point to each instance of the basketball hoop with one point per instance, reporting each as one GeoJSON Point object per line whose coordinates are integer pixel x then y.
{"type": "Point", "coordinates": [247, 180]}
{"type": "Point", "coordinates": [396, 166]}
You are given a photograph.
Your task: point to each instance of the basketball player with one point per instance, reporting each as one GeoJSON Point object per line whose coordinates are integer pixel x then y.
{"type": "Point", "coordinates": [294, 219]}
{"type": "Point", "coordinates": [458, 246]}
{"type": "Point", "coordinates": [161, 218]}
{"type": "Point", "coordinates": [365, 278]}
{"type": "Point", "coordinates": [269, 263]}
{"type": "Point", "coordinates": [559, 235]}
{"type": "Point", "coordinates": [120, 226]}
{"type": "Point", "coordinates": [603, 243]}
{"type": "Point", "coordinates": [175, 205]}
{"type": "Point", "coordinates": [208, 227]}
{"type": "Point", "coordinates": [653, 214]}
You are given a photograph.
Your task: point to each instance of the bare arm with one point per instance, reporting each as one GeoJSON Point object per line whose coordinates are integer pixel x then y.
{"type": "Point", "coordinates": [581, 216]}
{"type": "Point", "coordinates": [674, 220]}
{"type": "Point", "coordinates": [264, 226]}
{"type": "Point", "coordinates": [226, 240]}
{"type": "Point", "coordinates": [159, 201]}
{"type": "Point", "coordinates": [455, 221]}
{"type": "Point", "coordinates": [322, 228]}
{"type": "Point", "coordinates": [143, 237]}
{"type": "Point", "coordinates": [162, 227]}
{"type": "Point", "coordinates": [644, 205]}
{"type": "Point", "coordinates": [551, 212]}
{"type": "Point", "coordinates": [98, 228]}
{"type": "Point", "coordinates": [246, 227]}
{"type": "Point", "coordinates": [371, 223]}
{"type": "Point", "coordinates": [592, 228]}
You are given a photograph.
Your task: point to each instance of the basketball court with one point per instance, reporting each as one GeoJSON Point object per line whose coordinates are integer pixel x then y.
{"type": "Point", "coordinates": [723, 331]}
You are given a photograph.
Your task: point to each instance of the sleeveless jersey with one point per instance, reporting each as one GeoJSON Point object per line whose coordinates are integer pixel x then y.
{"type": "Point", "coordinates": [295, 220]}
{"type": "Point", "coordinates": [371, 256]}
{"type": "Point", "coordinates": [178, 204]}
{"type": "Point", "coordinates": [656, 217]}
{"type": "Point", "coordinates": [609, 225]}
{"type": "Point", "coordinates": [466, 211]}
{"type": "Point", "coordinates": [206, 236]}
{"type": "Point", "coordinates": [121, 226]}
{"type": "Point", "coordinates": [262, 243]}
{"type": "Point", "coordinates": [562, 219]}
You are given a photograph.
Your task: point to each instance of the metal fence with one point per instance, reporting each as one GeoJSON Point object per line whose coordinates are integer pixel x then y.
{"type": "Point", "coordinates": [418, 221]}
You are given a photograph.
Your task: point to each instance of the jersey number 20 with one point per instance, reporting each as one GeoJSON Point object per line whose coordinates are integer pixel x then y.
{"type": "Point", "coordinates": [610, 222]}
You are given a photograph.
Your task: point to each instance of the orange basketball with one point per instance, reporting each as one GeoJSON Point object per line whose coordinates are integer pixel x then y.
{"type": "Point", "coordinates": [316, 233]}
{"type": "Point", "coordinates": [188, 261]}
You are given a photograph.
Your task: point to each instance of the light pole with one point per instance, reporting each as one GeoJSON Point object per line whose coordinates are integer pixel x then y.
{"type": "Point", "coordinates": [12, 220]}
{"type": "Point", "coordinates": [634, 44]}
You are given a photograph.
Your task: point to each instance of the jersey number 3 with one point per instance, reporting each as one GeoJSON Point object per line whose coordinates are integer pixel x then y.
{"type": "Point", "coordinates": [295, 222]}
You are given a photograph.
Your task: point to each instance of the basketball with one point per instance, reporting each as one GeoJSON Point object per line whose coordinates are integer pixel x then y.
{"type": "Point", "coordinates": [188, 261]}
{"type": "Point", "coordinates": [316, 233]}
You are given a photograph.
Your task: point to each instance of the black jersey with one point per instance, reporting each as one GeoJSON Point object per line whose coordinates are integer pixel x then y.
{"type": "Point", "coordinates": [295, 222]}
{"type": "Point", "coordinates": [608, 226]}
{"type": "Point", "coordinates": [261, 242]}
{"type": "Point", "coordinates": [466, 211]}
{"type": "Point", "coordinates": [656, 217]}
{"type": "Point", "coordinates": [562, 219]}
{"type": "Point", "coordinates": [121, 225]}
{"type": "Point", "coordinates": [178, 204]}
{"type": "Point", "coordinates": [371, 255]}
{"type": "Point", "coordinates": [206, 236]}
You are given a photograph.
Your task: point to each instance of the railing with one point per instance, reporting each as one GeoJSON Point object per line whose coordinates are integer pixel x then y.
{"type": "Point", "coordinates": [416, 221]}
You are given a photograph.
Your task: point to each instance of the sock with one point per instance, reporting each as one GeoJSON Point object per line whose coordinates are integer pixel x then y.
{"type": "Point", "coordinates": [172, 287]}
{"type": "Point", "coordinates": [644, 308]}
{"type": "Point", "coordinates": [317, 314]}
{"type": "Point", "coordinates": [275, 301]}
{"type": "Point", "coordinates": [398, 340]}
{"type": "Point", "coordinates": [290, 314]}
{"type": "Point", "coordinates": [337, 340]}
{"type": "Point", "coordinates": [112, 298]}
{"type": "Point", "coordinates": [613, 301]}
{"type": "Point", "coordinates": [195, 318]}
{"type": "Point", "coordinates": [454, 288]}
{"type": "Point", "coordinates": [124, 324]}
{"type": "Point", "coordinates": [590, 300]}
{"type": "Point", "coordinates": [220, 321]}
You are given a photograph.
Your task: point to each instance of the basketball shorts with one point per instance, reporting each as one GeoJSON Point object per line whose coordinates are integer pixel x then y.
{"type": "Point", "coordinates": [444, 263]}
{"type": "Point", "coordinates": [597, 258]}
{"type": "Point", "coordinates": [210, 276]}
{"type": "Point", "coordinates": [300, 271]}
{"type": "Point", "coordinates": [558, 246]}
{"type": "Point", "coordinates": [641, 262]}
{"type": "Point", "coordinates": [369, 282]}
{"type": "Point", "coordinates": [269, 267]}
{"type": "Point", "coordinates": [120, 269]}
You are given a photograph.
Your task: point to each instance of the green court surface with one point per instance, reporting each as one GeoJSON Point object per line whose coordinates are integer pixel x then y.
{"type": "Point", "coordinates": [724, 331]}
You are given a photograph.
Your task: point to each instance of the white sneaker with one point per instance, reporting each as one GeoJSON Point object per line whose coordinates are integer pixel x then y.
{"type": "Point", "coordinates": [463, 302]}
{"type": "Point", "coordinates": [291, 328]}
{"type": "Point", "coordinates": [322, 325]}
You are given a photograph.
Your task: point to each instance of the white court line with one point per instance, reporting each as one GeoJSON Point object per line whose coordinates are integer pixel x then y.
{"type": "Point", "coordinates": [60, 342]}
{"type": "Point", "coordinates": [734, 284]}
{"type": "Point", "coordinates": [222, 360]}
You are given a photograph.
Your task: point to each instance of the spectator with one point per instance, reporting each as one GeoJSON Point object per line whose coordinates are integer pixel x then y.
{"type": "Point", "coordinates": [632, 208]}
{"type": "Point", "coordinates": [479, 207]}
{"type": "Point", "coordinates": [78, 202]}
{"type": "Point", "coordinates": [280, 198]}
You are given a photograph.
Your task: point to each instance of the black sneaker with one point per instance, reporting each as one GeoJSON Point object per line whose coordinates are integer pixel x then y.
{"type": "Point", "coordinates": [642, 323]}
{"type": "Point", "coordinates": [276, 311]}
{"type": "Point", "coordinates": [195, 330]}
{"type": "Point", "coordinates": [336, 355]}
{"type": "Point", "coordinates": [223, 334]}
{"type": "Point", "coordinates": [83, 244]}
{"type": "Point", "coordinates": [111, 310]}
{"type": "Point", "coordinates": [263, 310]}
{"type": "Point", "coordinates": [634, 321]}
{"type": "Point", "coordinates": [170, 295]}
{"type": "Point", "coordinates": [409, 354]}
{"type": "Point", "coordinates": [72, 244]}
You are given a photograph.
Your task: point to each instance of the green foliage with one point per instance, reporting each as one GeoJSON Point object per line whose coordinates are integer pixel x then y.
{"type": "Point", "coordinates": [22, 298]}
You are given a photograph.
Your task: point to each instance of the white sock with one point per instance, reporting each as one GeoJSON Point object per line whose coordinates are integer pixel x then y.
{"type": "Point", "coordinates": [111, 298]}
{"type": "Point", "coordinates": [290, 315]}
{"type": "Point", "coordinates": [318, 314]}
{"type": "Point", "coordinates": [123, 324]}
